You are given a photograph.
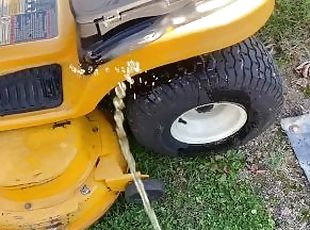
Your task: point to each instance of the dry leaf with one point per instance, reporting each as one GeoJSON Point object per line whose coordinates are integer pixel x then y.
{"type": "Point", "coordinates": [226, 169]}
{"type": "Point", "coordinates": [304, 69]}
{"type": "Point", "coordinates": [271, 48]}
{"type": "Point", "coordinates": [253, 168]}
{"type": "Point", "coordinates": [261, 172]}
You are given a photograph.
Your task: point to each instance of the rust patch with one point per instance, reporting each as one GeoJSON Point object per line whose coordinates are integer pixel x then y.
{"type": "Point", "coordinates": [97, 162]}
{"type": "Point", "coordinates": [62, 124]}
{"type": "Point", "coordinates": [90, 119]}
{"type": "Point", "coordinates": [95, 129]}
{"type": "Point", "coordinates": [36, 175]}
{"type": "Point", "coordinates": [58, 225]}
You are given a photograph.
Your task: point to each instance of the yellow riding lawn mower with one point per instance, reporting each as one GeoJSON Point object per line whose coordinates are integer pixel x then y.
{"type": "Point", "coordinates": [196, 82]}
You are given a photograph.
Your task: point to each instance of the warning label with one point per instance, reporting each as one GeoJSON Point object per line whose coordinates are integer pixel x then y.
{"type": "Point", "coordinates": [27, 20]}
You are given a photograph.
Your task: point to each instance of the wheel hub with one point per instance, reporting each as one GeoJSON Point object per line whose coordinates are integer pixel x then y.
{"type": "Point", "coordinates": [209, 123]}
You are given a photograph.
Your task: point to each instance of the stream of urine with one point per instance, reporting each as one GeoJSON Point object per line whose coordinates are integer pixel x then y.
{"type": "Point", "coordinates": [118, 101]}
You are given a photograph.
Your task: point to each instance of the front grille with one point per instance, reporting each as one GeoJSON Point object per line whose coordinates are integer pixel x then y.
{"type": "Point", "coordinates": [31, 90]}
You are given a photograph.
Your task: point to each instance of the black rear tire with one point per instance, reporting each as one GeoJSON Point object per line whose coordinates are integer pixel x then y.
{"type": "Point", "coordinates": [243, 74]}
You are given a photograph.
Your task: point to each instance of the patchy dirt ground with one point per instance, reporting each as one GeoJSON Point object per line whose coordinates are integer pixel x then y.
{"type": "Point", "coordinates": [276, 176]}
{"type": "Point", "coordinates": [272, 166]}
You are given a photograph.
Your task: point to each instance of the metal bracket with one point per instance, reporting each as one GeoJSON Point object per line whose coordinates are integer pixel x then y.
{"type": "Point", "coordinates": [107, 21]}
{"type": "Point", "coordinates": [109, 171]}
{"type": "Point", "coordinates": [298, 131]}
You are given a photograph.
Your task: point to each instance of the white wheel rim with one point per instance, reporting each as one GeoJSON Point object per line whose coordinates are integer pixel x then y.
{"type": "Point", "coordinates": [209, 123]}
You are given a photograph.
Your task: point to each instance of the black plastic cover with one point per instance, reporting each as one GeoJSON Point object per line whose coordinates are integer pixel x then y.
{"type": "Point", "coordinates": [31, 90]}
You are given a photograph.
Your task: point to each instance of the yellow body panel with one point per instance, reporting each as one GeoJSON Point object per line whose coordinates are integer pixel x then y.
{"type": "Point", "coordinates": [220, 29]}
{"type": "Point", "coordinates": [42, 146]}
{"type": "Point", "coordinates": [74, 197]}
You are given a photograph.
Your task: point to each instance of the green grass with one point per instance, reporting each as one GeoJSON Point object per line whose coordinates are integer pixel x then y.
{"type": "Point", "coordinates": [307, 91]}
{"type": "Point", "coordinates": [201, 193]}
{"type": "Point", "coordinates": [289, 30]}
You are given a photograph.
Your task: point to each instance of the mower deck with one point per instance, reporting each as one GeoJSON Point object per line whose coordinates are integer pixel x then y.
{"type": "Point", "coordinates": [60, 176]}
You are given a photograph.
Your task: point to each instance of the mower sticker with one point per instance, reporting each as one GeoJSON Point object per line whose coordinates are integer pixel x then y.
{"type": "Point", "coordinates": [27, 20]}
